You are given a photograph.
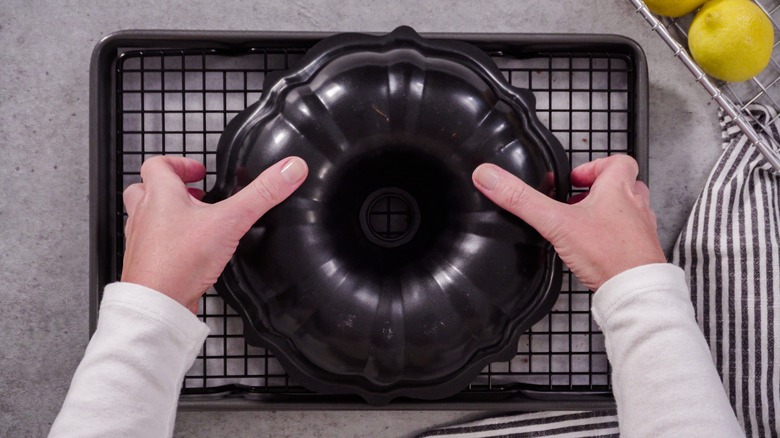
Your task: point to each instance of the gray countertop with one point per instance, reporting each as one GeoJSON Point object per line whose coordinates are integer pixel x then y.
{"type": "Point", "coordinates": [44, 201]}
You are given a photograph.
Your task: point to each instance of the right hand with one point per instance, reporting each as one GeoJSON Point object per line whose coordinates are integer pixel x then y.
{"type": "Point", "coordinates": [609, 231]}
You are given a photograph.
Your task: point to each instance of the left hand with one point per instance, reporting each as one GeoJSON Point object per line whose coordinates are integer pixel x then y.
{"type": "Point", "coordinates": [178, 245]}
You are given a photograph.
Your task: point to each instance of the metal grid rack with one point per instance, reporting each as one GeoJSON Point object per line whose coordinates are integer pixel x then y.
{"type": "Point", "coordinates": [734, 98]}
{"type": "Point", "coordinates": [177, 101]}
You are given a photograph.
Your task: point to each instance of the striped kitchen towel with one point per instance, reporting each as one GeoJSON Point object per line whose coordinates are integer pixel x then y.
{"type": "Point", "coordinates": [536, 424]}
{"type": "Point", "coordinates": [730, 253]}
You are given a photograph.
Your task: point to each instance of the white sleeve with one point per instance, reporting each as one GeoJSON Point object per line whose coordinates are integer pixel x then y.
{"type": "Point", "coordinates": [128, 383]}
{"type": "Point", "coordinates": [663, 377]}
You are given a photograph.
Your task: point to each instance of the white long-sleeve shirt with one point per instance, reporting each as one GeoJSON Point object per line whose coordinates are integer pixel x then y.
{"type": "Point", "coordinates": [663, 378]}
{"type": "Point", "coordinates": [664, 381]}
{"type": "Point", "coordinates": [128, 383]}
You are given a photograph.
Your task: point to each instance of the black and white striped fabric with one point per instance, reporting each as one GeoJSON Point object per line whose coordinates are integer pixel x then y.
{"type": "Point", "coordinates": [730, 252]}
{"type": "Point", "coordinates": [537, 424]}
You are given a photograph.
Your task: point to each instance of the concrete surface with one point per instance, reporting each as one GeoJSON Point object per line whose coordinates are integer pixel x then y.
{"type": "Point", "coordinates": [44, 199]}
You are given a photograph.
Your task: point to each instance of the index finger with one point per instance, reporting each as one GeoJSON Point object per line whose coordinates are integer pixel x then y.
{"type": "Point", "coordinates": [621, 167]}
{"type": "Point", "coordinates": [168, 169]}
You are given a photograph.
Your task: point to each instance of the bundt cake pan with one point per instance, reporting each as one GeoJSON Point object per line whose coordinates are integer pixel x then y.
{"type": "Point", "coordinates": [387, 274]}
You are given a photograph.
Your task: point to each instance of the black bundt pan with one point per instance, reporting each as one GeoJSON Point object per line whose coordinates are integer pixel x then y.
{"type": "Point", "coordinates": [387, 274]}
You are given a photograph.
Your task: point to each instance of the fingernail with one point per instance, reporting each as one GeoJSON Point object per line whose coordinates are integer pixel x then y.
{"type": "Point", "coordinates": [486, 176]}
{"type": "Point", "coordinates": [294, 170]}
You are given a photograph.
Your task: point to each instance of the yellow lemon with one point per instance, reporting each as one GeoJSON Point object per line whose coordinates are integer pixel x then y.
{"type": "Point", "coordinates": [731, 40]}
{"type": "Point", "coordinates": [673, 8]}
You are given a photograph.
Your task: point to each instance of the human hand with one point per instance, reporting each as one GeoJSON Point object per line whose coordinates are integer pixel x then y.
{"type": "Point", "coordinates": [178, 245]}
{"type": "Point", "coordinates": [600, 235]}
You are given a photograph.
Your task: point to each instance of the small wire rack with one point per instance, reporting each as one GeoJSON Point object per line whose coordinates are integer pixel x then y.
{"type": "Point", "coordinates": [592, 96]}
{"type": "Point", "coordinates": [734, 98]}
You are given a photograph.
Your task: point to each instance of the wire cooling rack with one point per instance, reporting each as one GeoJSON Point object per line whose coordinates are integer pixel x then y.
{"type": "Point", "coordinates": [734, 98]}
{"type": "Point", "coordinates": [592, 96]}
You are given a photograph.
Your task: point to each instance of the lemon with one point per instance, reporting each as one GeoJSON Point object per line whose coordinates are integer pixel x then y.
{"type": "Point", "coordinates": [673, 8]}
{"type": "Point", "coordinates": [731, 40]}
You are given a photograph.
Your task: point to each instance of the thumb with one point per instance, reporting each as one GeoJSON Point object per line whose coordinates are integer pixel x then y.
{"type": "Point", "coordinates": [273, 186]}
{"type": "Point", "coordinates": [520, 199]}
{"type": "Point", "coordinates": [132, 196]}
